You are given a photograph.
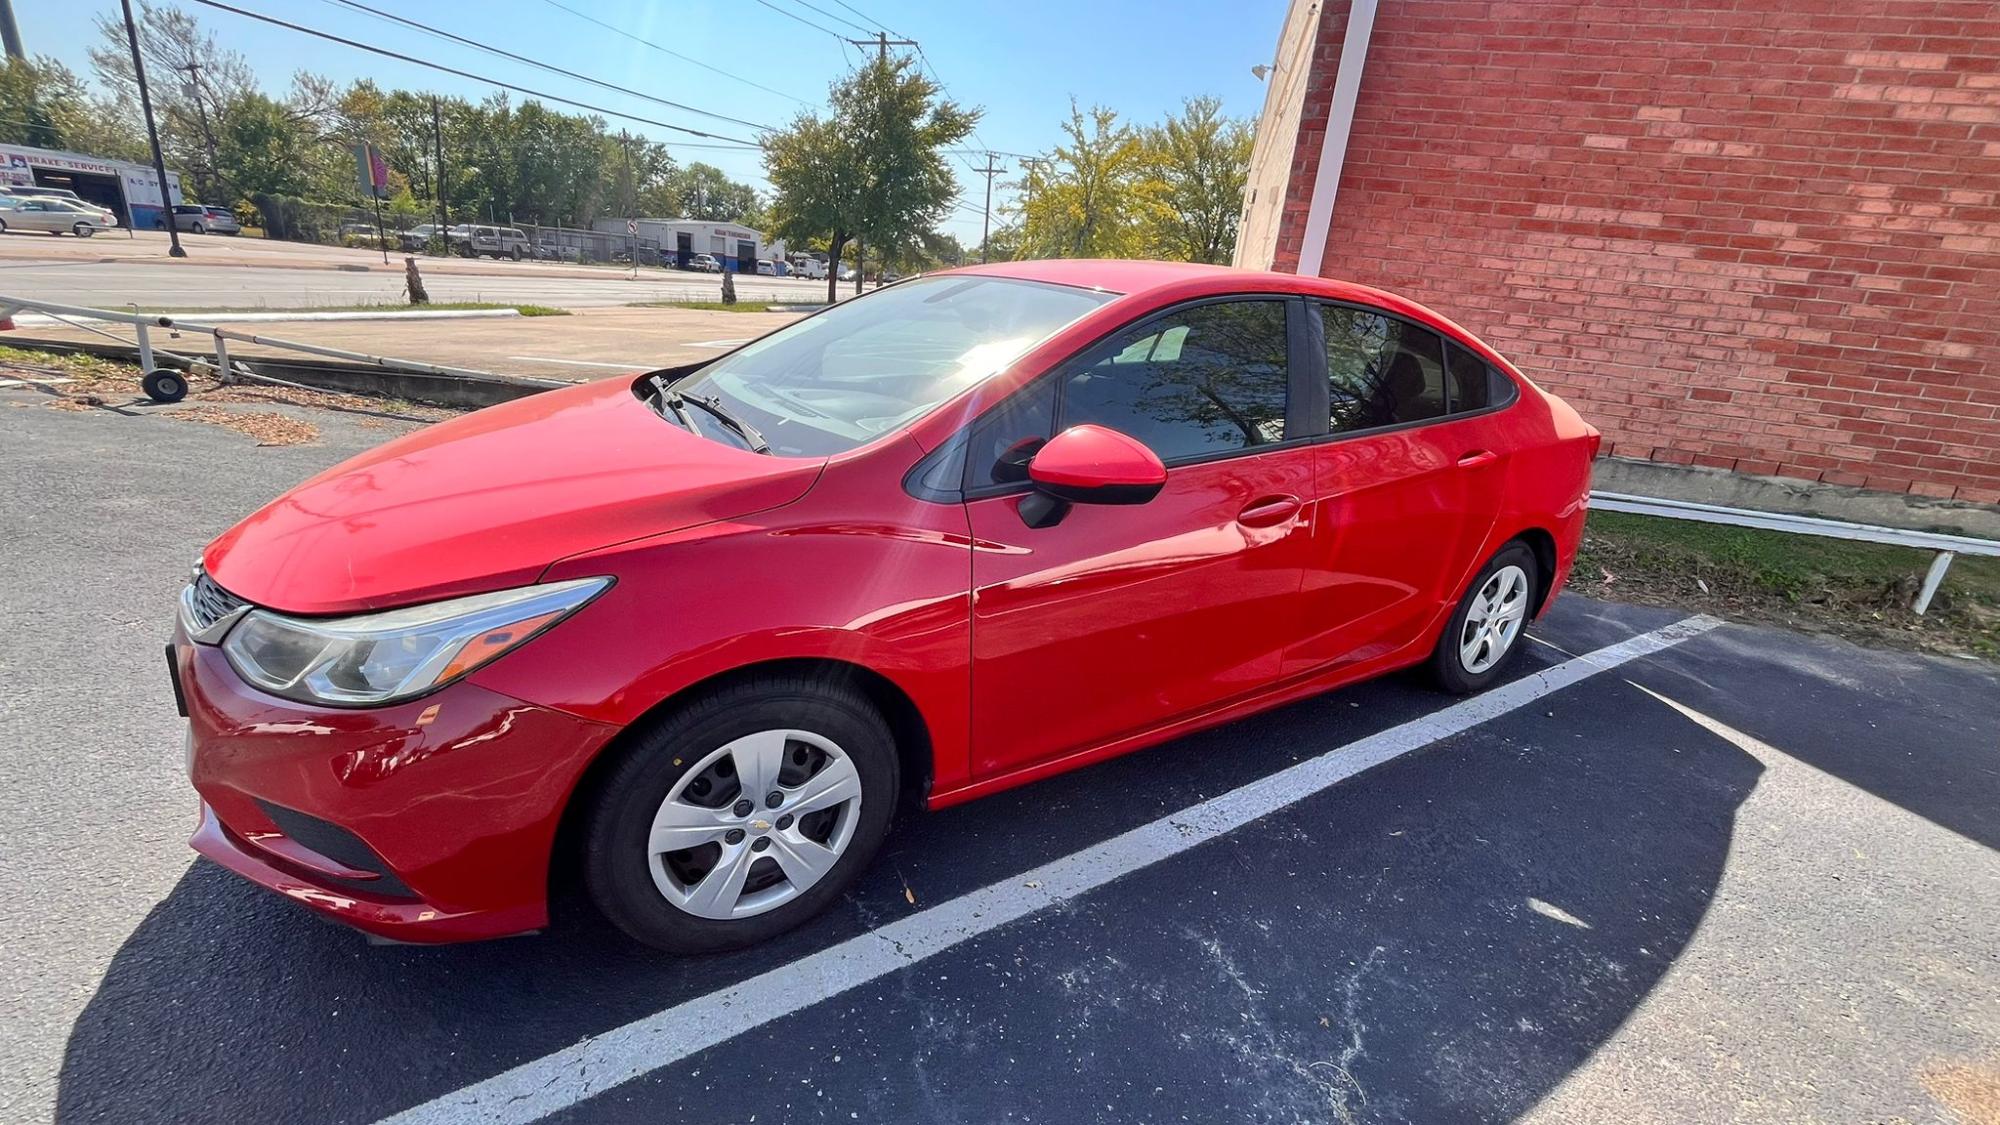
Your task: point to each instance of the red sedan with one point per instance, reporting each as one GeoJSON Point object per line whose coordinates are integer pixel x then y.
{"type": "Point", "coordinates": [706, 626]}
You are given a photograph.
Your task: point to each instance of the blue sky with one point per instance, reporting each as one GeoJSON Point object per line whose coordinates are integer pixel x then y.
{"type": "Point", "coordinates": [1021, 60]}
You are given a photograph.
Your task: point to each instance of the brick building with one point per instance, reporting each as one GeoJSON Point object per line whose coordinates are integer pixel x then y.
{"type": "Point", "coordinates": [1755, 235]}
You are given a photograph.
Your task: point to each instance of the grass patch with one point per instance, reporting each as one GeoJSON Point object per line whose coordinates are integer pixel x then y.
{"type": "Point", "coordinates": [376, 306]}
{"type": "Point", "coordinates": [712, 306]}
{"type": "Point", "coordinates": [1861, 591]}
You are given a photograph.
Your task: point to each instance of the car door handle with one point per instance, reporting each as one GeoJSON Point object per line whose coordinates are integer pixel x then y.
{"type": "Point", "coordinates": [1268, 511]}
{"type": "Point", "coordinates": [1476, 458]}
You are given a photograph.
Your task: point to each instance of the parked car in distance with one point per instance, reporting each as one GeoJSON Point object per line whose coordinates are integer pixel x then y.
{"type": "Point", "coordinates": [197, 219]}
{"type": "Point", "coordinates": [715, 622]}
{"type": "Point", "coordinates": [54, 216]}
{"type": "Point", "coordinates": [846, 272]}
{"type": "Point", "coordinates": [807, 266]}
{"type": "Point", "coordinates": [417, 238]}
{"type": "Point", "coordinates": [704, 263]}
{"type": "Point", "coordinates": [766, 268]}
{"type": "Point", "coordinates": [36, 191]}
{"type": "Point", "coordinates": [475, 240]}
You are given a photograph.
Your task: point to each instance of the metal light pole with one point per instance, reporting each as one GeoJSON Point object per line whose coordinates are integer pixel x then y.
{"type": "Point", "coordinates": [153, 135]}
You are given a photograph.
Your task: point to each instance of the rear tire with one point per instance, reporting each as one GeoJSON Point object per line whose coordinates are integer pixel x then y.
{"type": "Point", "coordinates": [84, 230]}
{"type": "Point", "coordinates": [1489, 625]}
{"type": "Point", "coordinates": [657, 897]}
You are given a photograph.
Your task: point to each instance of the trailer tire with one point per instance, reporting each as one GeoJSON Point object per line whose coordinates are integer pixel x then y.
{"type": "Point", "coordinates": [164, 386]}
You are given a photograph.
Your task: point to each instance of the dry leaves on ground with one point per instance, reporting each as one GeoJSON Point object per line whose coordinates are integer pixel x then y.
{"type": "Point", "coordinates": [268, 428]}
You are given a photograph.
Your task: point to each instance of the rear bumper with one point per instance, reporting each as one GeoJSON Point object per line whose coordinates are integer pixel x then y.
{"type": "Point", "coordinates": [429, 821]}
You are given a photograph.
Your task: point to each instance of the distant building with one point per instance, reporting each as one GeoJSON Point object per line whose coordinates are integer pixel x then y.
{"type": "Point", "coordinates": [736, 246]}
{"type": "Point", "coordinates": [130, 191]}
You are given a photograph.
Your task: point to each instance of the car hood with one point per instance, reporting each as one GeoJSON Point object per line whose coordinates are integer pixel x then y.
{"type": "Point", "coordinates": [489, 500]}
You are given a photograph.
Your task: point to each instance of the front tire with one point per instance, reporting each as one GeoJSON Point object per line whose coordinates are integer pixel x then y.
{"type": "Point", "coordinates": [690, 802]}
{"type": "Point", "coordinates": [1487, 628]}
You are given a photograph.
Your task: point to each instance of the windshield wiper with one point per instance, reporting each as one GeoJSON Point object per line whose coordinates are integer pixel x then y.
{"type": "Point", "coordinates": [676, 402]}
{"type": "Point", "coordinates": [714, 406]}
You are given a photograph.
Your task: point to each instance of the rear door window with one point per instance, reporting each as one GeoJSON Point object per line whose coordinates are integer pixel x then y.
{"type": "Point", "coordinates": [1381, 371]}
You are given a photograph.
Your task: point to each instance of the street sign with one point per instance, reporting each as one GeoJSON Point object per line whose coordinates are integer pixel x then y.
{"type": "Point", "coordinates": [371, 172]}
{"type": "Point", "coordinates": [631, 226]}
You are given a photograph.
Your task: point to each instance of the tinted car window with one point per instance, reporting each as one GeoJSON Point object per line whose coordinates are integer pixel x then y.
{"type": "Point", "coordinates": [1475, 383]}
{"type": "Point", "coordinates": [1382, 371]}
{"type": "Point", "coordinates": [1201, 382]}
{"type": "Point", "coordinates": [1004, 439]}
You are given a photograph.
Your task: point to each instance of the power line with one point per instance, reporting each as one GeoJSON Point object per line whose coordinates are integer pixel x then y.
{"type": "Point", "coordinates": [792, 16]}
{"type": "Point", "coordinates": [871, 19]}
{"type": "Point", "coordinates": [216, 4]}
{"type": "Point", "coordinates": [835, 16]}
{"type": "Point", "coordinates": [551, 68]}
{"type": "Point", "coordinates": [672, 54]}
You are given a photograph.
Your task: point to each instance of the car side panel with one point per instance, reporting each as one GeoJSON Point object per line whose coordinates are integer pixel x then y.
{"type": "Point", "coordinates": [857, 572]}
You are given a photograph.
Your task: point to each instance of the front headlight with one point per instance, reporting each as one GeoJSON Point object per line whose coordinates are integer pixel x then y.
{"type": "Point", "coordinates": [387, 657]}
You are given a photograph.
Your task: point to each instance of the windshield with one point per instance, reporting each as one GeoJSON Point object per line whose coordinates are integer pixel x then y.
{"type": "Point", "coordinates": [831, 382]}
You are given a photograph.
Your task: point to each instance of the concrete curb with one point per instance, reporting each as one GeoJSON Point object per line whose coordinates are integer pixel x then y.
{"type": "Point", "coordinates": [206, 316]}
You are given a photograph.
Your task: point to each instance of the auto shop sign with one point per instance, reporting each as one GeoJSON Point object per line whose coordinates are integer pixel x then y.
{"type": "Point", "coordinates": [18, 165]}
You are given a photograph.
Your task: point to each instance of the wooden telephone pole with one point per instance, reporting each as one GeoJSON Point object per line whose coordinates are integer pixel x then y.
{"type": "Point", "coordinates": [986, 216]}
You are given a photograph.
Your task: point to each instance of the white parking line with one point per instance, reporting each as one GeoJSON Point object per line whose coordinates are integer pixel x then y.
{"type": "Point", "coordinates": [563, 1078]}
{"type": "Point", "coordinates": [638, 366]}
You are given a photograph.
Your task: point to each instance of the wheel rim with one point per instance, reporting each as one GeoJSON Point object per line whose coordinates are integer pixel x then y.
{"type": "Point", "coordinates": [1494, 620]}
{"type": "Point", "coordinates": [720, 848]}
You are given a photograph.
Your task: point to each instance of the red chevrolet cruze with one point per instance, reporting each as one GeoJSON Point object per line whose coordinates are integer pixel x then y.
{"type": "Point", "coordinates": [706, 626]}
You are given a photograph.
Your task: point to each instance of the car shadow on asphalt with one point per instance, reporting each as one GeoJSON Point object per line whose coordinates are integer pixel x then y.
{"type": "Point", "coordinates": [227, 1002]}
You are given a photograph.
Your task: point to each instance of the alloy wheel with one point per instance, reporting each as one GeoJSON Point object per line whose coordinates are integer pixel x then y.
{"type": "Point", "coordinates": [1493, 621]}
{"type": "Point", "coordinates": [754, 824]}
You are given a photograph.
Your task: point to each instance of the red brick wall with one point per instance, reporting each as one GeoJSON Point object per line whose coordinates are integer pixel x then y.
{"type": "Point", "coordinates": [1759, 235]}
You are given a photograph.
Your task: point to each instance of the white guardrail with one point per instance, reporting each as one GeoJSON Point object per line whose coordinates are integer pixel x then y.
{"type": "Point", "coordinates": [1946, 546]}
{"type": "Point", "coordinates": [167, 386]}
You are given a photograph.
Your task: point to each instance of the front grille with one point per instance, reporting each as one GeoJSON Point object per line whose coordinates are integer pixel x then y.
{"type": "Point", "coordinates": [209, 603]}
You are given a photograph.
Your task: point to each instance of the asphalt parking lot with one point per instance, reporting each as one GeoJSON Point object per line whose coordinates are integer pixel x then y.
{"type": "Point", "coordinates": [1751, 877]}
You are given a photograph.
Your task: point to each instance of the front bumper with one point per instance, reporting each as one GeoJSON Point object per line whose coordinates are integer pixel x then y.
{"type": "Point", "coordinates": [427, 821]}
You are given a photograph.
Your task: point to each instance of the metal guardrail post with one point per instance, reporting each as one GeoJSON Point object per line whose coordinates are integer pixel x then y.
{"type": "Point", "coordinates": [222, 358]}
{"type": "Point", "coordinates": [1931, 579]}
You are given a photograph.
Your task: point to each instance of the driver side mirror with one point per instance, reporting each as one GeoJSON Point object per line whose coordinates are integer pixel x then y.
{"type": "Point", "coordinates": [1089, 465]}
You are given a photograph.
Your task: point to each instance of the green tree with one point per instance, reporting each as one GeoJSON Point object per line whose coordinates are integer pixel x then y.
{"type": "Point", "coordinates": [814, 174]}
{"type": "Point", "coordinates": [700, 191]}
{"type": "Point", "coordinates": [1193, 169]}
{"type": "Point", "coordinates": [192, 79]}
{"type": "Point", "coordinates": [261, 150]}
{"type": "Point", "coordinates": [44, 104]}
{"type": "Point", "coordinates": [874, 169]}
{"type": "Point", "coordinates": [1088, 198]}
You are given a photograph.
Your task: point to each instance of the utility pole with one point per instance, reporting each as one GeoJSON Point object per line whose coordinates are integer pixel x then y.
{"type": "Point", "coordinates": [10, 32]}
{"type": "Point", "coordinates": [153, 134]}
{"type": "Point", "coordinates": [986, 216]}
{"type": "Point", "coordinates": [193, 70]}
{"type": "Point", "coordinates": [631, 201]}
{"type": "Point", "coordinates": [437, 185]}
{"type": "Point", "coordinates": [882, 43]}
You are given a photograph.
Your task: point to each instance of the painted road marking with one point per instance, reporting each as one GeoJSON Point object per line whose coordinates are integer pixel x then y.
{"type": "Point", "coordinates": [559, 1080]}
{"type": "Point", "coordinates": [718, 343]}
{"type": "Point", "coordinates": [643, 366]}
